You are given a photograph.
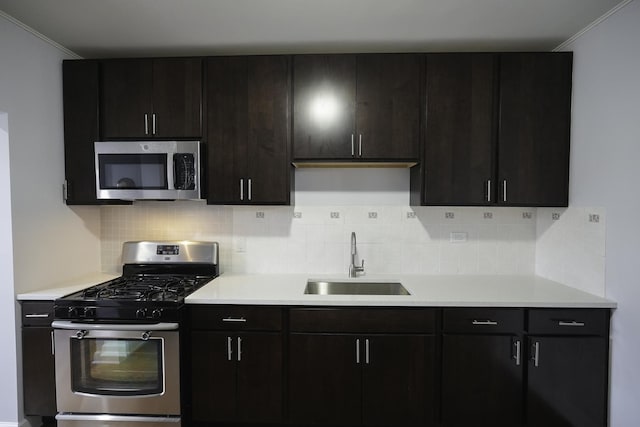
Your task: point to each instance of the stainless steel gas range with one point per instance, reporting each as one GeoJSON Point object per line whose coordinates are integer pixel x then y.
{"type": "Point", "coordinates": [117, 344]}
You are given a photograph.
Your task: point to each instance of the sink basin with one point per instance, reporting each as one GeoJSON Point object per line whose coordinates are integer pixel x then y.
{"type": "Point", "coordinates": [318, 287]}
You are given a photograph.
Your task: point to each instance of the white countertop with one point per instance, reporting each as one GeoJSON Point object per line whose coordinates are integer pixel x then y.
{"type": "Point", "coordinates": [66, 287]}
{"type": "Point", "coordinates": [426, 291]}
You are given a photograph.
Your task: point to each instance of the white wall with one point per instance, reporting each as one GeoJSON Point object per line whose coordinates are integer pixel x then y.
{"type": "Point", "coordinates": [605, 149]}
{"type": "Point", "coordinates": [51, 242]}
{"type": "Point", "coordinates": [8, 360]}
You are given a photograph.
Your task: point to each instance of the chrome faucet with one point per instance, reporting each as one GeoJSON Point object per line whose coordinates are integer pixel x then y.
{"type": "Point", "coordinates": [353, 268]}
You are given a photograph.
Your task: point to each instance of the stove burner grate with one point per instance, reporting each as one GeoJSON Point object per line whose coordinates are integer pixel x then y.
{"type": "Point", "coordinates": [145, 288]}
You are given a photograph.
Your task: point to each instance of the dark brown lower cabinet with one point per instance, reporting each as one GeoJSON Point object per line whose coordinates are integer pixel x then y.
{"type": "Point", "coordinates": [567, 382]}
{"type": "Point", "coordinates": [236, 377]}
{"type": "Point", "coordinates": [481, 381]}
{"type": "Point", "coordinates": [38, 367]}
{"type": "Point", "coordinates": [38, 362]}
{"type": "Point", "coordinates": [353, 380]}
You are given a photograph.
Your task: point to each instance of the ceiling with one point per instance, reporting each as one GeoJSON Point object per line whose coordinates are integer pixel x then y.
{"type": "Point", "coordinates": [109, 28]}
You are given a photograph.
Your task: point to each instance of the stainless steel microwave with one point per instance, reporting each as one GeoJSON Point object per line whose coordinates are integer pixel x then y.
{"type": "Point", "coordinates": [155, 170]}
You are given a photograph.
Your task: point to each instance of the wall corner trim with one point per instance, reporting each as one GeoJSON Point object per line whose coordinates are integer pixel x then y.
{"type": "Point", "coordinates": [41, 37]}
{"type": "Point", "coordinates": [595, 23]}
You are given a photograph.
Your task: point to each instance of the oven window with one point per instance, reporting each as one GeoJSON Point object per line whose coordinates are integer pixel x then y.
{"type": "Point", "coordinates": [117, 367]}
{"type": "Point", "coordinates": [133, 171]}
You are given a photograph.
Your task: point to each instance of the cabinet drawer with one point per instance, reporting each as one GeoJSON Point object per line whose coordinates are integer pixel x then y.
{"type": "Point", "coordinates": [483, 320]}
{"type": "Point", "coordinates": [573, 321]}
{"type": "Point", "coordinates": [357, 320]}
{"type": "Point", "coordinates": [37, 313]}
{"type": "Point", "coordinates": [236, 317]}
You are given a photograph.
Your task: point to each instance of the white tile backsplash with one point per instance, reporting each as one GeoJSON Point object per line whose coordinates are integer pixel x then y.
{"type": "Point", "coordinates": [571, 248]}
{"type": "Point", "coordinates": [398, 239]}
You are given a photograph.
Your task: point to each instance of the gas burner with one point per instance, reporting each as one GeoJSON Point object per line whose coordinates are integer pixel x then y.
{"type": "Point", "coordinates": [145, 288]}
{"type": "Point", "coordinates": [156, 278]}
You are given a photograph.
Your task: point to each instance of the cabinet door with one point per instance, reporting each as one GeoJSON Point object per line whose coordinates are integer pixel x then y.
{"type": "Point", "coordinates": [324, 94]}
{"type": "Point", "coordinates": [177, 97]}
{"type": "Point", "coordinates": [81, 94]}
{"type": "Point", "coordinates": [260, 373]}
{"type": "Point", "coordinates": [459, 146]}
{"type": "Point", "coordinates": [398, 380]}
{"type": "Point", "coordinates": [127, 86]}
{"type": "Point", "coordinates": [481, 381]}
{"type": "Point", "coordinates": [535, 113]}
{"type": "Point", "coordinates": [324, 380]}
{"type": "Point", "coordinates": [269, 168]}
{"type": "Point", "coordinates": [388, 106]}
{"type": "Point", "coordinates": [38, 372]}
{"type": "Point", "coordinates": [227, 128]}
{"type": "Point", "coordinates": [213, 376]}
{"type": "Point", "coordinates": [567, 382]}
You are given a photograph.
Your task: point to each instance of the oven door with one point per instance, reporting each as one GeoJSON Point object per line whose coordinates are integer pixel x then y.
{"type": "Point", "coordinates": [117, 368]}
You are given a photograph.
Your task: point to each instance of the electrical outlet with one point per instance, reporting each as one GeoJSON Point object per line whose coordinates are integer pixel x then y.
{"type": "Point", "coordinates": [458, 236]}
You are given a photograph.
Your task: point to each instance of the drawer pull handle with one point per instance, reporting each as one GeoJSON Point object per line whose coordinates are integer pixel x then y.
{"type": "Point", "coordinates": [357, 350]}
{"type": "Point", "coordinates": [484, 322]}
{"type": "Point", "coordinates": [229, 351]}
{"type": "Point", "coordinates": [235, 319]}
{"type": "Point", "coordinates": [37, 316]}
{"type": "Point", "coordinates": [570, 323]}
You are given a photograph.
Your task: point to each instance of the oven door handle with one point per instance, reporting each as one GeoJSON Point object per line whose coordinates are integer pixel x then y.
{"type": "Point", "coordinates": [117, 418]}
{"type": "Point", "coordinates": [63, 324]}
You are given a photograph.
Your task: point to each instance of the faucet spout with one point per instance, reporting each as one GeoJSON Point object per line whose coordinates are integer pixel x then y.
{"type": "Point", "coordinates": [353, 268]}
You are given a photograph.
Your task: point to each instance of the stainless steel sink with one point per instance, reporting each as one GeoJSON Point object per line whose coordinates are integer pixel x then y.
{"type": "Point", "coordinates": [319, 287]}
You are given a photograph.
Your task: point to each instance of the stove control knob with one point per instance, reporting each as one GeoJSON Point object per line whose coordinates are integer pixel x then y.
{"type": "Point", "coordinates": [157, 313]}
{"type": "Point", "coordinates": [141, 313]}
{"type": "Point", "coordinates": [89, 312]}
{"type": "Point", "coordinates": [72, 312]}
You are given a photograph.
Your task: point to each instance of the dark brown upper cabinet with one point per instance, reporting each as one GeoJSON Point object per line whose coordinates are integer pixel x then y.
{"type": "Point", "coordinates": [356, 107]}
{"type": "Point", "coordinates": [152, 98]}
{"type": "Point", "coordinates": [459, 150]}
{"type": "Point", "coordinates": [248, 128]}
{"type": "Point", "coordinates": [534, 131]}
{"type": "Point", "coordinates": [497, 130]}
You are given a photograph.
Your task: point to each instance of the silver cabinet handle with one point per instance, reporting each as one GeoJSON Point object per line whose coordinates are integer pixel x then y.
{"type": "Point", "coordinates": [53, 344]}
{"type": "Point", "coordinates": [146, 124]}
{"type": "Point", "coordinates": [357, 350]}
{"type": "Point", "coordinates": [229, 351]}
{"type": "Point", "coordinates": [366, 351]}
{"type": "Point", "coordinates": [36, 315]}
{"type": "Point", "coordinates": [536, 354]}
{"type": "Point", "coordinates": [488, 190]}
{"type": "Point", "coordinates": [518, 354]}
{"type": "Point", "coordinates": [249, 187]}
{"type": "Point", "coordinates": [353, 147]}
{"type": "Point", "coordinates": [570, 323]}
{"type": "Point", "coordinates": [234, 319]}
{"type": "Point", "coordinates": [241, 189]}
{"type": "Point", "coordinates": [359, 145]}
{"type": "Point", "coordinates": [239, 349]}
{"type": "Point", "coordinates": [504, 190]}
{"type": "Point", "coordinates": [153, 123]}
{"type": "Point", "coordinates": [484, 322]}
